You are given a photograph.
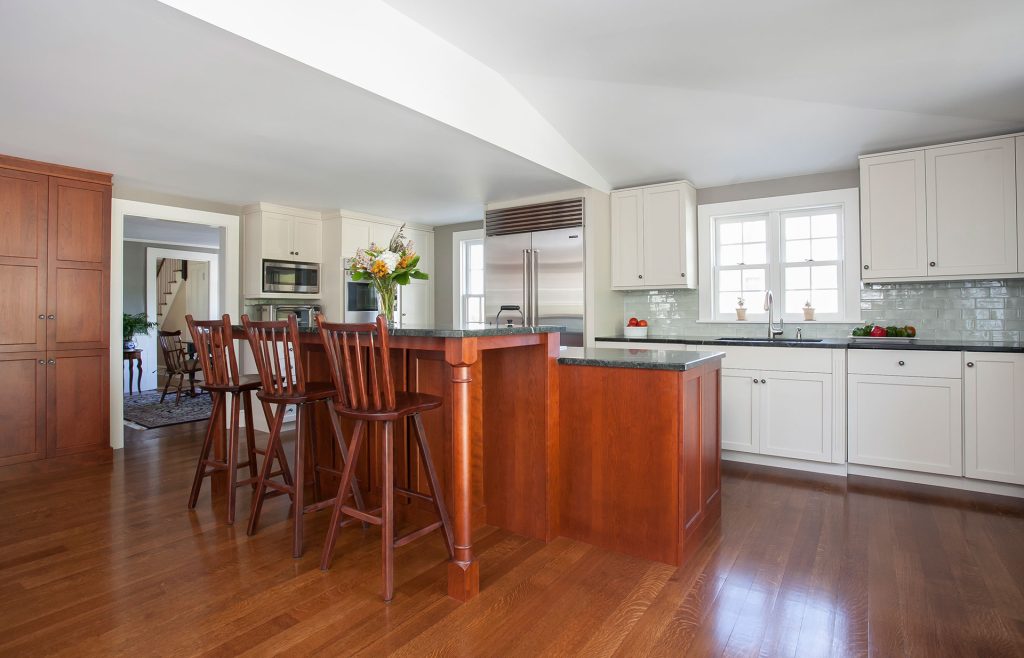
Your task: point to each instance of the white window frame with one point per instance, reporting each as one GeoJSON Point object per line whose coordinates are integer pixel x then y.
{"type": "Point", "coordinates": [458, 271]}
{"type": "Point", "coordinates": [849, 250]}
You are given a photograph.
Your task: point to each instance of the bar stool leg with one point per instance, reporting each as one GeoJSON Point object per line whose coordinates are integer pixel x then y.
{"type": "Point", "coordinates": [347, 480]}
{"type": "Point", "coordinates": [388, 510]}
{"type": "Point", "coordinates": [299, 502]}
{"type": "Point", "coordinates": [204, 454]}
{"type": "Point", "coordinates": [314, 458]}
{"type": "Point", "coordinates": [233, 432]}
{"type": "Point", "coordinates": [343, 450]}
{"type": "Point", "coordinates": [273, 448]}
{"type": "Point", "coordinates": [435, 487]}
{"type": "Point", "coordinates": [250, 437]}
{"type": "Point", "coordinates": [279, 451]}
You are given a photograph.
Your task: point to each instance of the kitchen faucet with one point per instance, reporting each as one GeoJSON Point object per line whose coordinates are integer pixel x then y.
{"type": "Point", "coordinates": [769, 305]}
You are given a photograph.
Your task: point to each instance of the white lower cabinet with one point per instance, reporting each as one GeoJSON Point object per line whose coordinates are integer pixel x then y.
{"type": "Point", "coordinates": [911, 423]}
{"type": "Point", "coordinates": [994, 416]}
{"type": "Point", "coordinates": [785, 414]}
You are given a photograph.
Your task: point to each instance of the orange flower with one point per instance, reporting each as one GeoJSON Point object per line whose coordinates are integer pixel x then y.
{"type": "Point", "coordinates": [379, 268]}
{"type": "Point", "coordinates": [405, 261]}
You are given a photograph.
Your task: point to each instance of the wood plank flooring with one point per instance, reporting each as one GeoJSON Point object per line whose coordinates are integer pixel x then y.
{"type": "Point", "coordinates": [106, 560]}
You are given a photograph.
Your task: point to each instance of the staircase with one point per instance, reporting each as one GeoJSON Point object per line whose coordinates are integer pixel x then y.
{"type": "Point", "coordinates": [170, 273]}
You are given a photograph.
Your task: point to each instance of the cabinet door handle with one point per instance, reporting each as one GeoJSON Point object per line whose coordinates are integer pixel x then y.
{"type": "Point", "coordinates": [42, 317]}
{"type": "Point", "coordinates": [932, 263]}
{"type": "Point", "coordinates": [867, 267]}
{"type": "Point", "coordinates": [755, 380]}
{"type": "Point", "coordinates": [51, 362]}
{"type": "Point", "coordinates": [639, 276]}
{"type": "Point", "coordinates": [51, 316]}
{"type": "Point", "coordinates": [682, 274]}
{"type": "Point", "coordinates": [763, 381]}
{"type": "Point", "coordinates": [903, 363]}
{"type": "Point", "coordinates": [970, 364]}
{"type": "Point", "coordinates": [42, 362]}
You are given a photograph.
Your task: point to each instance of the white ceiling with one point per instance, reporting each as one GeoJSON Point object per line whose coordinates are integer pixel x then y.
{"type": "Point", "coordinates": [146, 229]}
{"type": "Point", "coordinates": [646, 91]}
{"type": "Point", "coordinates": [174, 105]}
{"type": "Point", "coordinates": [738, 90]}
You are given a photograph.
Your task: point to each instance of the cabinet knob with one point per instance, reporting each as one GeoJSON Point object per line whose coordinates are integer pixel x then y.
{"type": "Point", "coordinates": [903, 363]}
{"type": "Point", "coordinates": [755, 380]}
{"type": "Point", "coordinates": [682, 274]}
{"type": "Point", "coordinates": [42, 317]}
{"type": "Point", "coordinates": [639, 276]}
{"type": "Point", "coordinates": [932, 263]}
{"type": "Point", "coordinates": [763, 381]}
{"type": "Point", "coordinates": [970, 364]}
{"type": "Point", "coordinates": [867, 267]}
{"type": "Point", "coordinates": [41, 362]}
{"type": "Point", "coordinates": [51, 316]}
{"type": "Point", "coordinates": [52, 362]}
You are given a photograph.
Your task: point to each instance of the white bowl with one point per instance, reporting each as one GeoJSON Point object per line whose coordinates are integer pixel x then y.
{"type": "Point", "coordinates": [634, 332]}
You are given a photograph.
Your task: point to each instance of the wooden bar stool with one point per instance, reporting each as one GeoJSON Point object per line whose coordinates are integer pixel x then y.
{"type": "Point", "coordinates": [215, 353]}
{"type": "Point", "coordinates": [366, 394]}
{"type": "Point", "coordinates": [278, 354]}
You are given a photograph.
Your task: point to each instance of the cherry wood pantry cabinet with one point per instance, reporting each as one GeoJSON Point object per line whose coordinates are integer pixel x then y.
{"type": "Point", "coordinates": [54, 310]}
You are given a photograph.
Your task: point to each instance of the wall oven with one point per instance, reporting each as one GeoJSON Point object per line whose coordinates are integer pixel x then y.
{"type": "Point", "coordinates": [360, 298]}
{"type": "Point", "coordinates": [286, 277]}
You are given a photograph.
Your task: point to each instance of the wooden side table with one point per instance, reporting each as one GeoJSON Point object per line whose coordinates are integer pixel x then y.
{"type": "Point", "coordinates": [132, 356]}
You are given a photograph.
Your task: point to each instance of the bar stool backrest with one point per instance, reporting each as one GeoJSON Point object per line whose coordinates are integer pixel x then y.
{"type": "Point", "coordinates": [360, 364]}
{"type": "Point", "coordinates": [278, 355]}
{"type": "Point", "coordinates": [215, 350]}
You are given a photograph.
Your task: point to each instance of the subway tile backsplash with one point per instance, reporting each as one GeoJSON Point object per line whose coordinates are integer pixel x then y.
{"type": "Point", "coordinates": [990, 309]}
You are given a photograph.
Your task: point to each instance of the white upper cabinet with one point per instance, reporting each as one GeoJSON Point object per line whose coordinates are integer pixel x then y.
{"type": "Point", "coordinates": [276, 233]}
{"type": "Point", "coordinates": [892, 216]}
{"type": "Point", "coordinates": [972, 208]}
{"type": "Point", "coordinates": [994, 416]}
{"type": "Point", "coordinates": [307, 240]}
{"type": "Point", "coordinates": [276, 236]}
{"type": "Point", "coordinates": [654, 236]}
{"type": "Point", "coordinates": [945, 211]}
{"type": "Point", "coordinates": [627, 243]}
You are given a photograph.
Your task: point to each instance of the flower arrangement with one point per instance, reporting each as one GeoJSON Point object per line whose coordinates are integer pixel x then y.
{"type": "Point", "coordinates": [388, 267]}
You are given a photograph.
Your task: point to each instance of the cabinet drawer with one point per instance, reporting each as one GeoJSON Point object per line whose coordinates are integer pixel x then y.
{"type": "Point", "coordinates": [905, 363]}
{"type": "Point", "coordinates": [789, 359]}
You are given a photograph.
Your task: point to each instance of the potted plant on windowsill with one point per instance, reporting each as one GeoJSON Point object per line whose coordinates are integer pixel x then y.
{"type": "Point", "coordinates": [808, 311]}
{"type": "Point", "coordinates": [387, 267]}
{"type": "Point", "coordinates": [741, 311]}
{"type": "Point", "coordinates": [135, 325]}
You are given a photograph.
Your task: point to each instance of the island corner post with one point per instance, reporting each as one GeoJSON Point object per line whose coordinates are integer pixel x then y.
{"type": "Point", "coordinates": [494, 440]}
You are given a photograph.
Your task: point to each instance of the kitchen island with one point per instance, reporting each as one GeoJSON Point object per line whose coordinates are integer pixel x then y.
{"type": "Point", "coordinates": [640, 449]}
{"type": "Point", "coordinates": [499, 440]}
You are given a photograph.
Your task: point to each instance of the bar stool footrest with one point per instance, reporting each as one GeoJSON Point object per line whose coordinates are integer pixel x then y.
{"type": "Point", "coordinates": [416, 534]}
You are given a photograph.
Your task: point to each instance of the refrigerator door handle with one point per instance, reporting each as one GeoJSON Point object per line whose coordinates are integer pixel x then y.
{"type": "Point", "coordinates": [535, 288]}
{"type": "Point", "coordinates": [527, 287]}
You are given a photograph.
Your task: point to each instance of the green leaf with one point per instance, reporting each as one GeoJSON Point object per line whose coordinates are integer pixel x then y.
{"type": "Point", "coordinates": [415, 261]}
{"type": "Point", "coordinates": [402, 278]}
{"type": "Point", "coordinates": [358, 275]}
{"type": "Point", "coordinates": [419, 275]}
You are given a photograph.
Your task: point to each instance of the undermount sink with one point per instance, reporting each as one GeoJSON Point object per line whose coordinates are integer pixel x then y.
{"type": "Point", "coordinates": [768, 340]}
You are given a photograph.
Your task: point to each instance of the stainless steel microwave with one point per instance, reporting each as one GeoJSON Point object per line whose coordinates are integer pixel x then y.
{"type": "Point", "coordinates": [283, 276]}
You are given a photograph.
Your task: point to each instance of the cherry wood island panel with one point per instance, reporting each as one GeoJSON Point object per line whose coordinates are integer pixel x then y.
{"type": "Point", "coordinates": [640, 450]}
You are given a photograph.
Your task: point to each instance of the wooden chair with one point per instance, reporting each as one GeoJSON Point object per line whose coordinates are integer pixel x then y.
{"type": "Point", "coordinates": [177, 364]}
{"type": "Point", "coordinates": [278, 355]}
{"type": "Point", "coordinates": [215, 354]}
{"type": "Point", "coordinates": [361, 370]}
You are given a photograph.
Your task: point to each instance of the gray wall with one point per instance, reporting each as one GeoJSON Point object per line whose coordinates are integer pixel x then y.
{"type": "Point", "coordinates": [443, 274]}
{"type": "Point", "coordinates": [836, 180]}
{"type": "Point", "coordinates": [135, 272]}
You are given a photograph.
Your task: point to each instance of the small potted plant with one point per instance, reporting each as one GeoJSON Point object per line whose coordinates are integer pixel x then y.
{"type": "Point", "coordinates": [808, 311]}
{"type": "Point", "coordinates": [741, 310]}
{"type": "Point", "coordinates": [135, 325]}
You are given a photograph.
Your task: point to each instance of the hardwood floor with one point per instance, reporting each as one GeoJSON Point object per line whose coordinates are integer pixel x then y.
{"type": "Point", "coordinates": [105, 560]}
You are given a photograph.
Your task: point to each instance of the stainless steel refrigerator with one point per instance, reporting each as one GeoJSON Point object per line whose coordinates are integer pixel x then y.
{"type": "Point", "coordinates": [541, 272]}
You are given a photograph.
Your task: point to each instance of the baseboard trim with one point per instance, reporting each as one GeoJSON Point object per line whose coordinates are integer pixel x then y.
{"type": "Point", "coordinates": [946, 481]}
{"type": "Point", "coordinates": [785, 462]}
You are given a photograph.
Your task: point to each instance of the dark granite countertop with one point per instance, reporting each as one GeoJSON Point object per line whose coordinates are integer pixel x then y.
{"type": "Point", "coordinates": [644, 359]}
{"type": "Point", "coordinates": [833, 343]}
{"type": "Point", "coordinates": [448, 330]}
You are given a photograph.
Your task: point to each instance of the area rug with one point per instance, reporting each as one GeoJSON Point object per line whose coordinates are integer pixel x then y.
{"type": "Point", "coordinates": [145, 410]}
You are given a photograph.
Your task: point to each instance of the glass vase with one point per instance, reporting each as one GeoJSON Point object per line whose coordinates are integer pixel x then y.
{"type": "Point", "coordinates": [387, 294]}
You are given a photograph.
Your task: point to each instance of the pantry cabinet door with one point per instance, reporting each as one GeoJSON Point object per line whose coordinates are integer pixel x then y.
{"type": "Point", "coordinates": [23, 216]}
{"type": "Point", "coordinates": [796, 415]}
{"type": "Point", "coordinates": [893, 216]}
{"type": "Point", "coordinates": [972, 208]}
{"type": "Point", "coordinates": [78, 402]}
{"type": "Point", "coordinates": [23, 407]}
{"type": "Point", "coordinates": [910, 423]}
{"type": "Point", "coordinates": [740, 415]}
{"type": "Point", "coordinates": [627, 245]}
{"type": "Point", "coordinates": [994, 416]}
